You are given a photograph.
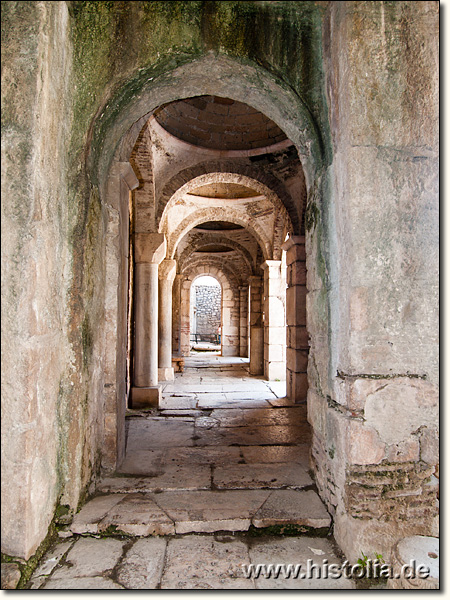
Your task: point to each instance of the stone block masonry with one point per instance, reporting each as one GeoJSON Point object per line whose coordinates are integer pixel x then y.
{"type": "Point", "coordinates": [208, 300]}
{"type": "Point", "coordinates": [86, 172]}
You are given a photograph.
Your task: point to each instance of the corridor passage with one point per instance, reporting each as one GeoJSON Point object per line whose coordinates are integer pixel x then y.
{"type": "Point", "coordinates": [224, 456]}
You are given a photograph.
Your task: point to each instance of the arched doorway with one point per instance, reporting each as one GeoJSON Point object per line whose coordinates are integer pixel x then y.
{"type": "Point", "coordinates": [192, 178]}
{"type": "Point", "coordinates": [205, 314]}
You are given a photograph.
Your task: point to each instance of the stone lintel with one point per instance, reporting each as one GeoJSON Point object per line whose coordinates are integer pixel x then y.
{"type": "Point", "coordinates": [149, 247]}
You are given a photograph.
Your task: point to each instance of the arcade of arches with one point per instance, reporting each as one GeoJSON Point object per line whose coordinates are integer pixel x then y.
{"type": "Point", "coordinates": [152, 143]}
{"type": "Point", "coordinates": [227, 222]}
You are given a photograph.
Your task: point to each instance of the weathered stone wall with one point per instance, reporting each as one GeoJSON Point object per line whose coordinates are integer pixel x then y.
{"type": "Point", "coordinates": [372, 259]}
{"type": "Point", "coordinates": [354, 86]}
{"type": "Point", "coordinates": [52, 283]}
{"type": "Point", "coordinates": [297, 340]}
{"type": "Point", "coordinates": [208, 300]}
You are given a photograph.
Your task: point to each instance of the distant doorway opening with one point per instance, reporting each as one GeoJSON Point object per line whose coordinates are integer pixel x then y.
{"type": "Point", "coordinates": [206, 315]}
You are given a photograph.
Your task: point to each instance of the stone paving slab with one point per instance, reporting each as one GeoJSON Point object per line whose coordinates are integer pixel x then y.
{"type": "Point", "coordinates": [216, 455]}
{"type": "Point", "coordinates": [278, 388]}
{"type": "Point", "coordinates": [143, 462]}
{"type": "Point", "coordinates": [82, 583]}
{"type": "Point", "coordinates": [138, 515]}
{"type": "Point", "coordinates": [194, 387]}
{"type": "Point", "coordinates": [252, 436]}
{"type": "Point", "coordinates": [90, 557]}
{"type": "Point", "coordinates": [155, 433]}
{"type": "Point", "coordinates": [298, 551]}
{"type": "Point", "coordinates": [174, 477]}
{"type": "Point", "coordinates": [251, 417]}
{"type": "Point", "coordinates": [201, 562]}
{"type": "Point", "coordinates": [10, 576]}
{"type": "Point", "coordinates": [52, 559]}
{"type": "Point", "coordinates": [181, 412]}
{"type": "Point", "coordinates": [276, 454]}
{"type": "Point", "coordinates": [86, 521]}
{"type": "Point", "coordinates": [227, 401]}
{"type": "Point", "coordinates": [256, 476]}
{"type": "Point", "coordinates": [249, 394]}
{"type": "Point", "coordinates": [196, 561]}
{"type": "Point", "coordinates": [142, 566]}
{"type": "Point", "coordinates": [178, 402]}
{"type": "Point", "coordinates": [208, 511]}
{"type": "Point", "coordinates": [297, 507]}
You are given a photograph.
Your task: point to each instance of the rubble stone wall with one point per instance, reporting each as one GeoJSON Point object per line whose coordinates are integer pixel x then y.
{"type": "Point", "coordinates": [208, 300]}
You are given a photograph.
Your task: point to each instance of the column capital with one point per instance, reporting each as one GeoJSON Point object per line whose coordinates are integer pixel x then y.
{"type": "Point", "coordinates": [149, 247]}
{"type": "Point", "coordinates": [295, 240]}
{"type": "Point", "coordinates": [167, 270]}
{"type": "Point", "coordinates": [271, 264]}
{"type": "Point", "coordinates": [295, 249]}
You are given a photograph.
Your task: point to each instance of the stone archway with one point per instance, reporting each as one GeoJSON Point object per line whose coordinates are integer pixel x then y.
{"type": "Point", "coordinates": [328, 309]}
{"type": "Point", "coordinates": [117, 200]}
{"type": "Point", "coordinates": [370, 158]}
{"type": "Point", "coordinates": [230, 299]}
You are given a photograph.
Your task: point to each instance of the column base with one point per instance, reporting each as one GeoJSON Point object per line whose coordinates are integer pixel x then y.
{"type": "Point", "coordinates": [148, 397]}
{"type": "Point", "coordinates": [166, 374]}
{"type": "Point", "coordinates": [275, 371]}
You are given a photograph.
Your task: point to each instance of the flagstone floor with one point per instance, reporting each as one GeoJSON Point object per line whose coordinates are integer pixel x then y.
{"type": "Point", "coordinates": [224, 456]}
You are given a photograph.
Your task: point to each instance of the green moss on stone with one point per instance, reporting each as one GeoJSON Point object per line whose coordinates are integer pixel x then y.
{"type": "Point", "coordinates": [27, 568]}
{"type": "Point", "coordinates": [118, 46]}
{"type": "Point", "coordinates": [289, 529]}
{"type": "Point", "coordinates": [312, 216]}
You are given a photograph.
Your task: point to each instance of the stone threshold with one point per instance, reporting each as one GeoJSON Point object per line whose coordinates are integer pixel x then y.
{"type": "Point", "coordinates": [202, 511]}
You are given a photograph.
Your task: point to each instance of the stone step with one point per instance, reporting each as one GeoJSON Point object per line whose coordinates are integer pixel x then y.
{"type": "Point", "coordinates": [202, 511]}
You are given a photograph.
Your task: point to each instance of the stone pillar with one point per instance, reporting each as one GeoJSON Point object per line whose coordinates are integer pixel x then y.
{"type": "Point", "coordinates": [230, 321]}
{"type": "Point", "coordinates": [243, 321]}
{"type": "Point", "coordinates": [274, 320]}
{"type": "Point", "coordinates": [166, 273]}
{"type": "Point", "coordinates": [297, 346]}
{"type": "Point", "coordinates": [256, 366]}
{"type": "Point", "coordinates": [185, 317]}
{"type": "Point", "coordinates": [176, 292]}
{"type": "Point", "coordinates": [149, 251]}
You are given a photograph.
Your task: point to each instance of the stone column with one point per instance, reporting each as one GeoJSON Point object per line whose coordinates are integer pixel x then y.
{"type": "Point", "coordinates": [297, 346]}
{"type": "Point", "coordinates": [166, 273]}
{"type": "Point", "coordinates": [149, 251]}
{"type": "Point", "coordinates": [176, 292]}
{"type": "Point", "coordinates": [274, 320]}
{"type": "Point", "coordinates": [256, 366]}
{"type": "Point", "coordinates": [243, 321]}
{"type": "Point", "coordinates": [185, 317]}
{"type": "Point", "coordinates": [230, 321]}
